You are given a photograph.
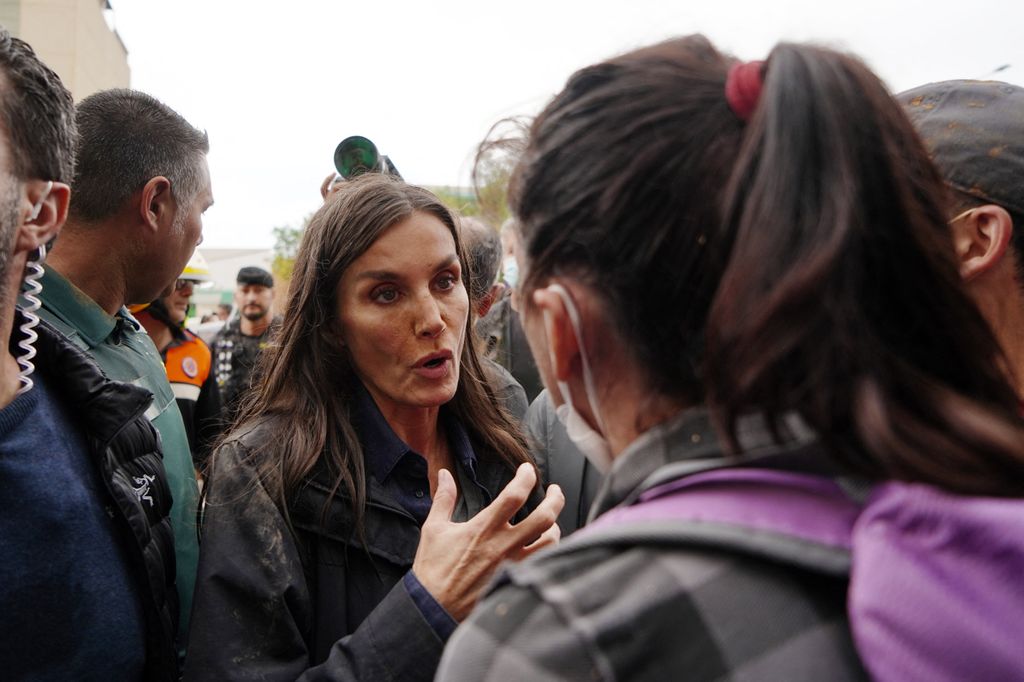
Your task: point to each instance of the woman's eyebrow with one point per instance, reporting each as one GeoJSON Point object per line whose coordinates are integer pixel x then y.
{"type": "Point", "coordinates": [387, 275]}
{"type": "Point", "coordinates": [447, 262]}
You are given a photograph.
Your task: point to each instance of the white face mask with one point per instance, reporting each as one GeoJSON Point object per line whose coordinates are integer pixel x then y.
{"type": "Point", "coordinates": [510, 271]}
{"type": "Point", "coordinates": [591, 443]}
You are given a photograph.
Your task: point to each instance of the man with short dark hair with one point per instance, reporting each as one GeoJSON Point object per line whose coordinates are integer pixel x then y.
{"type": "Point", "coordinates": [87, 565]}
{"type": "Point", "coordinates": [975, 133]}
{"type": "Point", "coordinates": [141, 187]}
{"type": "Point", "coordinates": [237, 346]}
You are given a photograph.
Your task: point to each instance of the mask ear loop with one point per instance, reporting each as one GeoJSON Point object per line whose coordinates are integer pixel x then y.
{"type": "Point", "coordinates": [30, 291]}
{"type": "Point", "coordinates": [960, 216]}
{"type": "Point", "coordinates": [588, 377]}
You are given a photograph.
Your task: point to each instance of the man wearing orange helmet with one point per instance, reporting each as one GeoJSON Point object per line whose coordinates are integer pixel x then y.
{"type": "Point", "coordinates": [187, 359]}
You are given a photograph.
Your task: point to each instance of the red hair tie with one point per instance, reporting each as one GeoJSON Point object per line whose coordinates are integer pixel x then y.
{"type": "Point", "coordinates": [743, 88]}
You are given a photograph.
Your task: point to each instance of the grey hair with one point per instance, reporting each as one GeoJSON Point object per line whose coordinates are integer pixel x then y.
{"type": "Point", "coordinates": [126, 138]}
{"type": "Point", "coordinates": [37, 120]}
{"type": "Point", "coordinates": [483, 250]}
{"type": "Point", "coordinates": [37, 112]}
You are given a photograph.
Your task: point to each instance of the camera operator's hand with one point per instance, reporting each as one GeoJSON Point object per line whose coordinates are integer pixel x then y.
{"type": "Point", "coordinates": [455, 561]}
{"type": "Point", "coordinates": [328, 185]}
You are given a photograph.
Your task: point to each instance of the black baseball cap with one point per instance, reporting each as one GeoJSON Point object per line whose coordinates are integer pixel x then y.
{"type": "Point", "coordinates": [974, 131]}
{"type": "Point", "coordinates": [251, 274]}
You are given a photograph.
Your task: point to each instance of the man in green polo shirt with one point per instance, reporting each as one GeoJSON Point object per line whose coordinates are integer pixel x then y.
{"type": "Point", "coordinates": [140, 188]}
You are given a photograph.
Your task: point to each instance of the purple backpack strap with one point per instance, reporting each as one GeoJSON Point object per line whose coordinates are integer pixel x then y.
{"type": "Point", "coordinates": [936, 579]}
{"type": "Point", "coordinates": [798, 518]}
{"type": "Point", "coordinates": [937, 585]}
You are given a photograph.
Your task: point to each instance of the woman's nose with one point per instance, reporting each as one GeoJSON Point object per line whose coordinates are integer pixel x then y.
{"type": "Point", "coordinates": [429, 323]}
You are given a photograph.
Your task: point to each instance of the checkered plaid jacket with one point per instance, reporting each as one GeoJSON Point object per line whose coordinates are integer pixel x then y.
{"type": "Point", "coordinates": [646, 611]}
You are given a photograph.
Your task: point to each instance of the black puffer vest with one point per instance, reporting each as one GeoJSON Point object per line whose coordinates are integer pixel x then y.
{"type": "Point", "coordinates": [126, 449]}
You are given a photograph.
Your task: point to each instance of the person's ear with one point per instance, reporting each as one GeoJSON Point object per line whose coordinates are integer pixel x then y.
{"type": "Point", "coordinates": [488, 299]}
{"type": "Point", "coordinates": [981, 237]}
{"type": "Point", "coordinates": [42, 220]}
{"type": "Point", "coordinates": [156, 205]}
{"type": "Point", "coordinates": [563, 345]}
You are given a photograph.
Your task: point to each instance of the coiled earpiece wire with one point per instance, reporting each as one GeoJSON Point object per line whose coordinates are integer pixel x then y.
{"type": "Point", "coordinates": [31, 288]}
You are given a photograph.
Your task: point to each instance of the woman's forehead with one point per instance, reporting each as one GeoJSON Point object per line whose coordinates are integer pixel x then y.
{"type": "Point", "coordinates": [420, 241]}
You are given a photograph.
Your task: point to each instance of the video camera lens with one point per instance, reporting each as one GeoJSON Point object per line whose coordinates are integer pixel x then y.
{"type": "Point", "coordinates": [356, 155]}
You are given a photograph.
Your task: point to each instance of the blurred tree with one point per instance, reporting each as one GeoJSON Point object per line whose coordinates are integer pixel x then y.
{"type": "Point", "coordinates": [491, 177]}
{"type": "Point", "coordinates": [459, 199]}
{"type": "Point", "coordinates": [488, 198]}
{"type": "Point", "coordinates": [286, 245]}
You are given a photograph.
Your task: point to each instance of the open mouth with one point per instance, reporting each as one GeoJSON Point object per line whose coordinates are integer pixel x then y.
{"type": "Point", "coordinates": [434, 365]}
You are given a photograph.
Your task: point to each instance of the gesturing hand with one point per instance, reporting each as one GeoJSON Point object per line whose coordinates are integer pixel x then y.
{"type": "Point", "coordinates": [454, 561]}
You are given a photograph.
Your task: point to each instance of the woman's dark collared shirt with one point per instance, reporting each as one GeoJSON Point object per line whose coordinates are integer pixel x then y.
{"type": "Point", "coordinates": [404, 476]}
{"type": "Point", "coordinates": [403, 472]}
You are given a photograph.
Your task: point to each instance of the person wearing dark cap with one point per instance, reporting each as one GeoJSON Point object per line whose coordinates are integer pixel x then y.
{"type": "Point", "coordinates": [974, 131]}
{"type": "Point", "coordinates": [237, 346]}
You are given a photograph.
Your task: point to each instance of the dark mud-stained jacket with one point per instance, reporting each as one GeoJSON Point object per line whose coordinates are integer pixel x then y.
{"type": "Point", "coordinates": [126, 451]}
{"type": "Point", "coordinates": [308, 602]}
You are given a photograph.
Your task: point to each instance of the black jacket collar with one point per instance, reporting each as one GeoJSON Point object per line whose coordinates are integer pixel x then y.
{"type": "Point", "coordinates": [104, 406]}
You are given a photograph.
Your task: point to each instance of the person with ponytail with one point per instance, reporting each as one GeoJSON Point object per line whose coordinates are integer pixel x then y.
{"type": "Point", "coordinates": [741, 289]}
{"type": "Point", "coordinates": [371, 484]}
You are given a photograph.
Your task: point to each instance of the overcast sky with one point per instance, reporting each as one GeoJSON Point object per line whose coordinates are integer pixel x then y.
{"type": "Point", "coordinates": [278, 84]}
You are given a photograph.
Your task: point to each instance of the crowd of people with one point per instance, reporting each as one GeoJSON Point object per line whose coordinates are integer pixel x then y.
{"type": "Point", "coordinates": [735, 394]}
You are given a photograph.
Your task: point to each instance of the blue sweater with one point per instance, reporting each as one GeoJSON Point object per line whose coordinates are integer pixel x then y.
{"type": "Point", "coordinates": [69, 608]}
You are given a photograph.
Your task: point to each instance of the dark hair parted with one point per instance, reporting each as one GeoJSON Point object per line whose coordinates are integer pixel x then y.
{"type": "Point", "coordinates": [483, 252]}
{"type": "Point", "coordinates": [126, 138]}
{"type": "Point", "coordinates": [308, 382]}
{"type": "Point", "coordinates": [37, 112]}
{"type": "Point", "coordinates": [798, 263]}
{"type": "Point", "coordinates": [617, 186]}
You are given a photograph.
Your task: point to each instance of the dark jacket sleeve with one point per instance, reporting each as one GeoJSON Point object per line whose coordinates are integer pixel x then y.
{"type": "Point", "coordinates": [254, 610]}
{"type": "Point", "coordinates": [561, 462]}
{"type": "Point", "coordinates": [508, 392]}
{"type": "Point", "coordinates": [208, 419]}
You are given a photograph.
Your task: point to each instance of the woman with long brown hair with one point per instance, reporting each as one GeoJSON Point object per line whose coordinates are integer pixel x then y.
{"type": "Point", "coordinates": [371, 485]}
{"type": "Point", "coordinates": [741, 291]}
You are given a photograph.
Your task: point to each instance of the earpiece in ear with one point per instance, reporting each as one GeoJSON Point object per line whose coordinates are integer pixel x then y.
{"type": "Point", "coordinates": [32, 289]}
{"type": "Point", "coordinates": [38, 206]}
